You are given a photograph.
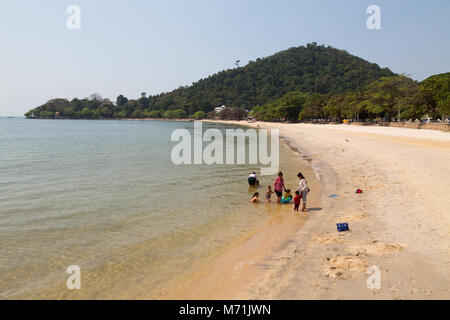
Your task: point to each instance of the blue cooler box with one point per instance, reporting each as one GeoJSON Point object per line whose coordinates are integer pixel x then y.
{"type": "Point", "coordinates": [342, 227]}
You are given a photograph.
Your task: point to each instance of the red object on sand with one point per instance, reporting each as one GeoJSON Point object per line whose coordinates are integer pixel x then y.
{"type": "Point", "coordinates": [359, 191]}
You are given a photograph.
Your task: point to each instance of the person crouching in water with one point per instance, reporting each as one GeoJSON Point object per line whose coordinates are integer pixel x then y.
{"type": "Point", "coordinates": [253, 180]}
{"type": "Point", "coordinates": [255, 198]}
{"type": "Point", "coordinates": [287, 196]}
{"type": "Point", "coordinates": [303, 189]}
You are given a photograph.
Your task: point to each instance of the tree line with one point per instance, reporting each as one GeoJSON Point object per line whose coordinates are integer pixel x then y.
{"type": "Point", "coordinates": [389, 98]}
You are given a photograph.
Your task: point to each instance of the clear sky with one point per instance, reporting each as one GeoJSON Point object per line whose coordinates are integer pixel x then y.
{"type": "Point", "coordinates": [129, 47]}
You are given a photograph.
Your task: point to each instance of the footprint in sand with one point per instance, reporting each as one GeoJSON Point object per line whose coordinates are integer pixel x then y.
{"type": "Point", "coordinates": [428, 292]}
{"type": "Point", "coordinates": [242, 264]}
{"type": "Point", "coordinates": [327, 239]}
{"type": "Point", "coordinates": [343, 267]}
{"type": "Point", "coordinates": [376, 248]}
{"type": "Point", "coordinates": [394, 289]}
{"type": "Point", "coordinates": [352, 218]}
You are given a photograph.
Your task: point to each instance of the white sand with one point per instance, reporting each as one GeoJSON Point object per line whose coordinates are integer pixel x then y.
{"type": "Point", "coordinates": [401, 223]}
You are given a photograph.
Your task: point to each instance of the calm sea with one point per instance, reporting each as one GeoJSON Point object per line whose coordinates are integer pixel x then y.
{"type": "Point", "coordinates": [104, 195]}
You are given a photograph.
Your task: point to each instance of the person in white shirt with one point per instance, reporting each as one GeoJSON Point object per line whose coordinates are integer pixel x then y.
{"type": "Point", "coordinates": [303, 189]}
{"type": "Point", "coordinates": [253, 180]}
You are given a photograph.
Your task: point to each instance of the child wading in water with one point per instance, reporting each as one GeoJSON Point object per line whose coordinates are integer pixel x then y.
{"type": "Point", "coordinates": [269, 193]}
{"type": "Point", "coordinates": [287, 197]}
{"type": "Point", "coordinates": [255, 198]}
{"type": "Point", "coordinates": [297, 199]}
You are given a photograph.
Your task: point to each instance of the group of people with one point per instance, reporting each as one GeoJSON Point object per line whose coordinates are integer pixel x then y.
{"type": "Point", "coordinates": [278, 187]}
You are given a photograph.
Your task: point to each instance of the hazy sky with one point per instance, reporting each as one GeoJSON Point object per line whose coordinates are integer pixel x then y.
{"type": "Point", "coordinates": [129, 47]}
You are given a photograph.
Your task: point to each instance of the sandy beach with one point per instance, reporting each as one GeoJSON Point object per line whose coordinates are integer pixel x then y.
{"type": "Point", "coordinates": [399, 225]}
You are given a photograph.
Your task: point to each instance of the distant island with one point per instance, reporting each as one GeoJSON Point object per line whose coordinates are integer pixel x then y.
{"type": "Point", "coordinates": [304, 83]}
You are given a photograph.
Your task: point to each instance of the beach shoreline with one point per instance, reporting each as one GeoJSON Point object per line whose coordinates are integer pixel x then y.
{"type": "Point", "coordinates": [398, 226]}
{"type": "Point", "coordinates": [444, 127]}
{"type": "Point", "coordinates": [228, 275]}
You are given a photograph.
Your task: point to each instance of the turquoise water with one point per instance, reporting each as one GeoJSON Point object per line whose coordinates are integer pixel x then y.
{"type": "Point", "coordinates": [104, 195]}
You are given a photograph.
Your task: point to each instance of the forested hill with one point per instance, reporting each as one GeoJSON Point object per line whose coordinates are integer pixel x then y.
{"type": "Point", "coordinates": [308, 69]}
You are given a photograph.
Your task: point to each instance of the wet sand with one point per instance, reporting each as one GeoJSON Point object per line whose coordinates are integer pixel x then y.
{"type": "Point", "coordinates": [400, 224]}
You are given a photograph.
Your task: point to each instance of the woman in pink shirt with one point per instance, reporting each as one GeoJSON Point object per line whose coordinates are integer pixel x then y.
{"type": "Point", "coordinates": [278, 186]}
